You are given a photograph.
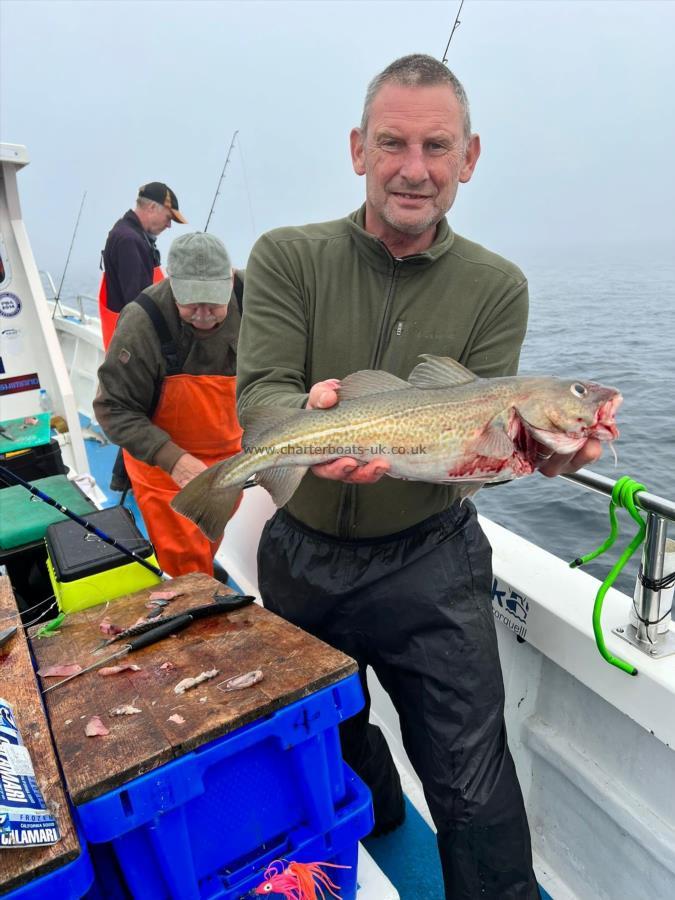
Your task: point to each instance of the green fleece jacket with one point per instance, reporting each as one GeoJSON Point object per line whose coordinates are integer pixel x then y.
{"type": "Point", "coordinates": [134, 366]}
{"type": "Point", "coordinates": [328, 299]}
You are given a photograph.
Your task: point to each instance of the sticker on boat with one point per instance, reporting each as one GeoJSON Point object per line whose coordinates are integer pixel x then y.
{"type": "Point", "coordinates": [10, 305]}
{"type": "Point", "coordinates": [509, 607]}
{"type": "Point", "coordinates": [11, 341]}
{"type": "Point", "coordinates": [19, 383]}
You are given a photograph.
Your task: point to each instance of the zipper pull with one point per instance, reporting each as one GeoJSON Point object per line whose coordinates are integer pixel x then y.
{"type": "Point", "coordinates": [398, 331]}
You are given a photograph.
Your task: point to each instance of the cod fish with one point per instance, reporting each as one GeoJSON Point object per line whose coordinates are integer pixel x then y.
{"type": "Point", "coordinates": [443, 425]}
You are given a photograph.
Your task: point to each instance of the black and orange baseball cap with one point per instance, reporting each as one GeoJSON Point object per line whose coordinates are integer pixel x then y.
{"type": "Point", "coordinates": [161, 193]}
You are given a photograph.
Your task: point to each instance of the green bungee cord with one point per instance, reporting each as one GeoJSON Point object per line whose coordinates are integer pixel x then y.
{"type": "Point", "coordinates": [623, 495]}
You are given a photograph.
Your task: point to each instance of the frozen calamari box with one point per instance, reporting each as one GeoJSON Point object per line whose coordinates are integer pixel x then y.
{"type": "Point", "coordinates": [24, 818]}
{"type": "Point", "coordinates": [86, 571]}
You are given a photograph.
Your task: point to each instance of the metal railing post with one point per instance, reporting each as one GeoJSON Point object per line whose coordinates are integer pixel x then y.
{"type": "Point", "coordinates": [658, 639]}
{"type": "Point", "coordinates": [647, 600]}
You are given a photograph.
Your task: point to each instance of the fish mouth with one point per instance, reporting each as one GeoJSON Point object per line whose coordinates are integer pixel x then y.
{"type": "Point", "coordinates": [534, 443]}
{"type": "Point", "coordinates": [604, 426]}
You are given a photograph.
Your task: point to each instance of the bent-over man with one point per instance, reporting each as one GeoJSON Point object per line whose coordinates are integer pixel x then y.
{"type": "Point", "coordinates": [167, 391]}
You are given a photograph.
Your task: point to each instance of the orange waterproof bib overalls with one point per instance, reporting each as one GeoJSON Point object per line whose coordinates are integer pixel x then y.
{"type": "Point", "coordinates": [199, 412]}
{"type": "Point", "coordinates": [108, 316]}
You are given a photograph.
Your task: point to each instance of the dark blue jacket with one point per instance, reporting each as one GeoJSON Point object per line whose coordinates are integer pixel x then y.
{"type": "Point", "coordinates": [129, 258]}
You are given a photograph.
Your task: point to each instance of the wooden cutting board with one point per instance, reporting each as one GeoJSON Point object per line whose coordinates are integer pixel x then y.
{"type": "Point", "coordinates": [293, 663]}
{"type": "Point", "coordinates": [19, 687]}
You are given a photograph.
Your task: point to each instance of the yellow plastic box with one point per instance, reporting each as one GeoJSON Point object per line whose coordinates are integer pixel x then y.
{"type": "Point", "coordinates": [86, 571]}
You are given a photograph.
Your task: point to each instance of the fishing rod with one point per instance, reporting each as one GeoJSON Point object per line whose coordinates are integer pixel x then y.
{"type": "Point", "coordinates": [11, 478]}
{"type": "Point", "coordinates": [248, 192]}
{"type": "Point", "coordinates": [220, 181]}
{"type": "Point", "coordinates": [454, 29]}
{"type": "Point", "coordinates": [57, 304]}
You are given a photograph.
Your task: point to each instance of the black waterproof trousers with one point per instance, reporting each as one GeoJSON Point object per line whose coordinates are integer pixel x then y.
{"type": "Point", "coordinates": [416, 607]}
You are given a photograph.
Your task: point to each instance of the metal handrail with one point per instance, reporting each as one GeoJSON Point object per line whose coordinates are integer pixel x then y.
{"type": "Point", "coordinates": [647, 635]}
{"type": "Point", "coordinates": [79, 299]}
{"type": "Point", "coordinates": [80, 303]}
{"type": "Point", "coordinates": [49, 278]}
{"type": "Point", "coordinates": [650, 503]}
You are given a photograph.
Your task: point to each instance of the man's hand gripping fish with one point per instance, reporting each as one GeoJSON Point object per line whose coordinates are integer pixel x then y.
{"type": "Point", "coordinates": [443, 425]}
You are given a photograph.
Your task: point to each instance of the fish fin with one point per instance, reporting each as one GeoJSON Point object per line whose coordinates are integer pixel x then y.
{"type": "Point", "coordinates": [494, 440]}
{"type": "Point", "coordinates": [206, 504]}
{"type": "Point", "coordinates": [256, 420]}
{"type": "Point", "coordinates": [467, 489]}
{"type": "Point", "coordinates": [281, 482]}
{"type": "Point", "coordinates": [439, 372]}
{"type": "Point", "coordinates": [368, 382]}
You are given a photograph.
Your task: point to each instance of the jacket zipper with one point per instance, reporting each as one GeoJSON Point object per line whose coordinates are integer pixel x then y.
{"type": "Point", "coordinates": [347, 510]}
{"type": "Point", "coordinates": [379, 349]}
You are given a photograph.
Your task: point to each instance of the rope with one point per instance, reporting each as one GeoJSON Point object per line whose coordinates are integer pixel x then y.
{"type": "Point", "coordinates": [660, 584]}
{"type": "Point", "coordinates": [623, 495]}
{"type": "Point", "coordinates": [649, 621]}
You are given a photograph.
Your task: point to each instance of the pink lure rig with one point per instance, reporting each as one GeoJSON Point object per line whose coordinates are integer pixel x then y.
{"type": "Point", "coordinates": [299, 881]}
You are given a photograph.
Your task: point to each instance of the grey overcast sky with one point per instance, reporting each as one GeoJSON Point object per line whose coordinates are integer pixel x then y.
{"type": "Point", "coordinates": [573, 101]}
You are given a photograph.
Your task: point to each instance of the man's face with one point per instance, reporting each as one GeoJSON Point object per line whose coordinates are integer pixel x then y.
{"type": "Point", "coordinates": [158, 219]}
{"type": "Point", "coordinates": [413, 154]}
{"type": "Point", "coordinates": [203, 316]}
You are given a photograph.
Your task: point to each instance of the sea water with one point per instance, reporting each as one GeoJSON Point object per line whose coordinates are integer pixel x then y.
{"type": "Point", "coordinates": [607, 317]}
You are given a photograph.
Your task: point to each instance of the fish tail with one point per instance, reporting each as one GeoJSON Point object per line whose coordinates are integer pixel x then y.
{"type": "Point", "coordinates": [208, 502]}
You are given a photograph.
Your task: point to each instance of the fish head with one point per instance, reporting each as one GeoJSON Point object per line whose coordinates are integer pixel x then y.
{"type": "Point", "coordinates": [562, 415]}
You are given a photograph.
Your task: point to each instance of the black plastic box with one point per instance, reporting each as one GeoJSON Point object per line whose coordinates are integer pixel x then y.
{"type": "Point", "coordinates": [37, 462]}
{"type": "Point", "coordinates": [75, 553]}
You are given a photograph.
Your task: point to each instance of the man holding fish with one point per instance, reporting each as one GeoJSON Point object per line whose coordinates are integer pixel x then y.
{"type": "Point", "coordinates": [397, 573]}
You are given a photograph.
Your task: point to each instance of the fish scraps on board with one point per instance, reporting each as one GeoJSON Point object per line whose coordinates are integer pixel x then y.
{"type": "Point", "coordinates": [444, 425]}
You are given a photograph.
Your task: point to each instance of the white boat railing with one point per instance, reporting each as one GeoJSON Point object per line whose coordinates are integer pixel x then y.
{"type": "Point", "coordinates": [645, 635]}
{"type": "Point", "coordinates": [78, 312]}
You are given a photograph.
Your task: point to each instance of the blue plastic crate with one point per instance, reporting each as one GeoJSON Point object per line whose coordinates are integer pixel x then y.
{"type": "Point", "coordinates": [70, 882]}
{"type": "Point", "coordinates": [108, 880]}
{"type": "Point", "coordinates": [163, 878]}
{"type": "Point", "coordinates": [206, 825]}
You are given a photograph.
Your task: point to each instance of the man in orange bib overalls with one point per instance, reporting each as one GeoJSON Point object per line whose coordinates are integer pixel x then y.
{"type": "Point", "coordinates": [166, 390]}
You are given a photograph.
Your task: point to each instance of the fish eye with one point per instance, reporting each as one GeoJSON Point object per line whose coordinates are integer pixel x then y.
{"type": "Point", "coordinates": [579, 390]}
